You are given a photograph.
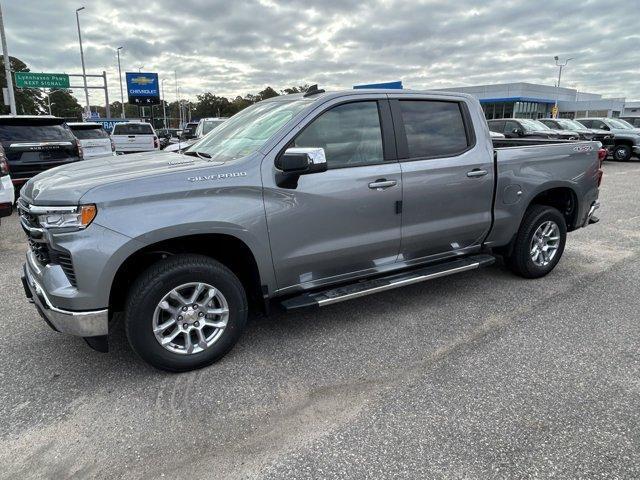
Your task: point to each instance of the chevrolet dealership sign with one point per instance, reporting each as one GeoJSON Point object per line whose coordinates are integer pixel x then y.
{"type": "Point", "coordinates": [143, 88]}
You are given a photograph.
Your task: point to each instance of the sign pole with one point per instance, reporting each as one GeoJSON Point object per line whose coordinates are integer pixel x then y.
{"type": "Point", "coordinates": [106, 96]}
{"type": "Point", "coordinates": [7, 66]}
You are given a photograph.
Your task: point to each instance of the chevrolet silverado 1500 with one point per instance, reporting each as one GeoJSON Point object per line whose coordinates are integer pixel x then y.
{"type": "Point", "coordinates": [301, 200]}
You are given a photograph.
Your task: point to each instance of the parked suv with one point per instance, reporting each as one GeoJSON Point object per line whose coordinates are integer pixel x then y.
{"type": "Point", "coordinates": [299, 200]}
{"type": "Point", "coordinates": [633, 121]}
{"type": "Point", "coordinates": [33, 144]}
{"type": "Point", "coordinates": [602, 136]}
{"type": "Point", "coordinates": [94, 139]}
{"type": "Point", "coordinates": [627, 138]}
{"type": "Point", "coordinates": [7, 195]}
{"type": "Point", "coordinates": [527, 128]}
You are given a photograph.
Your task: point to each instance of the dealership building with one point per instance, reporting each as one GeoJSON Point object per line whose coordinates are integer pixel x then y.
{"type": "Point", "coordinates": [528, 100]}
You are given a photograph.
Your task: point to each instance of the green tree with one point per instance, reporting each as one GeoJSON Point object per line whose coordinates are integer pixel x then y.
{"type": "Point", "coordinates": [267, 93]}
{"type": "Point", "coordinates": [29, 101]}
{"type": "Point", "coordinates": [298, 89]}
{"type": "Point", "coordinates": [65, 105]}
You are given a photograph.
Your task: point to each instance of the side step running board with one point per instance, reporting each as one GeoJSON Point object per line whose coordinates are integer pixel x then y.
{"type": "Point", "coordinates": [380, 284]}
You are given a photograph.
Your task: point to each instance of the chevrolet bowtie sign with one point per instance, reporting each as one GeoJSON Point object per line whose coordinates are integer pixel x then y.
{"type": "Point", "coordinates": [143, 88]}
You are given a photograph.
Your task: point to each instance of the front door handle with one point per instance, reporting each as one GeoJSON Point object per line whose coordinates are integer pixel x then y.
{"type": "Point", "coordinates": [382, 183]}
{"type": "Point", "coordinates": [476, 172]}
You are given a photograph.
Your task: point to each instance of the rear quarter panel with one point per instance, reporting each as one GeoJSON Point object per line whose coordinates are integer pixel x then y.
{"type": "Point", "coordinates": [535, 169]}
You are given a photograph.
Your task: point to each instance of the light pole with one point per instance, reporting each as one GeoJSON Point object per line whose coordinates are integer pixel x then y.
{"type": "Point", "coordinates": [175, 74]}
{"type": "Point", "coordinates": [84, 73]}
{"type": "Point", "coordinates": [164, 104]}
{"type": "Point", "coordinates": [120, 76]}
{"type": "Point", "coordinates": [560, 66]}
{"type": "Point", "coordinates": [49, 93]}
{"type": "Point", "coordinates": [7, 67]}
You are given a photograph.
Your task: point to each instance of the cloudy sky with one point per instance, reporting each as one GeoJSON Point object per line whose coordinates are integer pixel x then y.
{"type": "Point", "coordinates": [235, 47]}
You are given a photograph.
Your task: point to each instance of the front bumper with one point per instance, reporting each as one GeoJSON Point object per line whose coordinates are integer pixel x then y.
{"type": "Point", "coordinates": [83, 324]}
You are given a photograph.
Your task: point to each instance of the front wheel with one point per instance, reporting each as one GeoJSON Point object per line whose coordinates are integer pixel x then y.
{"type": "Point", "coordinates": [539, 243]}
{"type": "Point", "coordinates": [622, 153]}
{"type": "Point", "coordinates": [185, 312]}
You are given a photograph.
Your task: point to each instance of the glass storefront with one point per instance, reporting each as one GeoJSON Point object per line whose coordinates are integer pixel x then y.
{"type": "Point", "coordinates": [516, 110]}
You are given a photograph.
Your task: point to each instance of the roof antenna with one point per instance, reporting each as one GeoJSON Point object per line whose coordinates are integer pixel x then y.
{"type": "Point", "coordinates": [313, 90]}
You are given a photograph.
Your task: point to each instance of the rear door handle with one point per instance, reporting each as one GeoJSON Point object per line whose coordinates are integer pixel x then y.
{"type": "Point", "coordinates": [476, 172]}
{"type": "Point", "coordinates": [382, 183]}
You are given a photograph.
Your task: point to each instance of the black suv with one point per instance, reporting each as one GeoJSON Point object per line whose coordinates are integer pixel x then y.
{"type": "Point", "coordinates": [602, 136]}
{"type": "Point", "coordinates": [33, 144]}
{"type": "Point", "coordinates": [527, 128]}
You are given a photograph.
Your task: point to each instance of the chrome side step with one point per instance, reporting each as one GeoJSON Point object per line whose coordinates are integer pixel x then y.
{"type": "Point", "coordinates": [380, 284]}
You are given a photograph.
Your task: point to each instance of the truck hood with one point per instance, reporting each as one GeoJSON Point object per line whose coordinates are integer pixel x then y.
{"type": "Point", "coordinates": [65, 185]}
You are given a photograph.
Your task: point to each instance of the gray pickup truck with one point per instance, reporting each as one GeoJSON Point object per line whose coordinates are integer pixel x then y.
{"type": "Point", "coordinates": [299, 201]}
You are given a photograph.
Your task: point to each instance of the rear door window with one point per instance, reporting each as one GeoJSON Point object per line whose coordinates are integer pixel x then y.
{"type": "Point", "coordinates": [433, 128]}
{"type": "Point", "coordinates": [132, 129]}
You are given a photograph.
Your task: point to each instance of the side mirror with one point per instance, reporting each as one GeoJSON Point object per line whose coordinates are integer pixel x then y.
{"type": "Point", "coordinates": [605, 127]}
{"type": "Point", "coordinates": [517, 131]}
{"type": "Point", "coordinates": [298, 161]}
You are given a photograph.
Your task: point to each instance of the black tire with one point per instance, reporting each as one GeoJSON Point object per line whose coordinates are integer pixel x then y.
{"type": "Point", "coordinates": [159, 279]}
{"type": "Point", "coordinates": [622, 153]}
{"type": "Point", "coordinates": [520, 261]}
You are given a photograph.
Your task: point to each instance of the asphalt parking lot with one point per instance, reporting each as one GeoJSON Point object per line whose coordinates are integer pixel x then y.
{"type": "Point", "coordinates": [471, 376]}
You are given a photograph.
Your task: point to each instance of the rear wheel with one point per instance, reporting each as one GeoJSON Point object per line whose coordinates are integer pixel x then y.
{"type": "Point", "coordinates": [185, 312]}
{"type": "Point", "coordinates": [539, 243]}
{"type": "Point", "coordinates": [622, 153]}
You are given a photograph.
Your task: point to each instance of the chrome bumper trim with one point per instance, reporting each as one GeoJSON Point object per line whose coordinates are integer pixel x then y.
{"type": "Point", "coordinates": [82, 324]}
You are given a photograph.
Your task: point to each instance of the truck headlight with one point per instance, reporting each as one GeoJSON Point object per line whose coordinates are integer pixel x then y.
{"type": "Point", "coordinates": [67, 217]}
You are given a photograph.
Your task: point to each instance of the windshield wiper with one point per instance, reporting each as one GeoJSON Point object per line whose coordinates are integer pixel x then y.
{"type": "Point", "coordinates": [194, 153]}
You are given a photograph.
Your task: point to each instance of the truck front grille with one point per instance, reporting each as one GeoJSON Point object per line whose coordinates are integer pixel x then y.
{"type": "Point", "coordinates": [44, 253]}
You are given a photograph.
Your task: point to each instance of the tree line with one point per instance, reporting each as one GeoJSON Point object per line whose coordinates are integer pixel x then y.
{"type": "Point", "coordinates": [35, 101]}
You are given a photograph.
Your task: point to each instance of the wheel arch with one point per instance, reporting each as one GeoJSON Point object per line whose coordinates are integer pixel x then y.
{"type": "Point", "coordinates": [228, 249]}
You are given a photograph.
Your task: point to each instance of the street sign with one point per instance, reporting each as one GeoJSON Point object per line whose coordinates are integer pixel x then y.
{"type": "Point", "coordinates": [41, 80]}
{"type": "Point", "coordinates": [143, 88]}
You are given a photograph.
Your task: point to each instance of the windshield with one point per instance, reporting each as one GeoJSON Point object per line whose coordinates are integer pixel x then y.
{"type": "Point", "coordinates": [210, 125]}
{"type": "Point", "coordinates": [247, 131]}
{"type": "Point", "coordinates": [570, 124]}
{"type": "Point", "coordinates": [533, 124]}
{"type": "Point", "coordinates": [89, 133]}
{"type": "Point", "coordinates": [34, 133]}
{"type": "Point", "coordinates": [616, 122]}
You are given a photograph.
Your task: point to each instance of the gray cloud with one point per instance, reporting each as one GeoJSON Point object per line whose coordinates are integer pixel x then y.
{"type": "Point", "coordinates": [233, 48]}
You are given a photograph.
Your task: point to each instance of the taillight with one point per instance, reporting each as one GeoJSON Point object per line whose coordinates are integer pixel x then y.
{"type": "Point", "coordinates": [80, 152]}
{"type": "Point", "coordinates": [156, 142]}
{"type": "Point", "coordinates": [602, 155]}
{"type": "Point", "coordinates": [113, 145]}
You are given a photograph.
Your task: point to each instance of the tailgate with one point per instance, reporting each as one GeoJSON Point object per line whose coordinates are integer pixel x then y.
{"type": "Point", "coordinates": [134, 143]}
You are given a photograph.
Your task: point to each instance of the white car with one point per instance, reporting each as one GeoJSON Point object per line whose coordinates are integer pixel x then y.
{"type": "Point", "coordinates": [205, 125]}
{"type": "Point", "coordinates": [7, 194]}
{"type": "Point", "coordinates": [93, 138]}
{"type": "Point", "coordinates": [131, 137]}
